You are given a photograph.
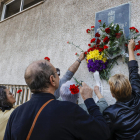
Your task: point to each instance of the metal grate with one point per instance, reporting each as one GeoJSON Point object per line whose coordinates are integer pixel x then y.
{"type": "Point", "coordinates": [21, 98]}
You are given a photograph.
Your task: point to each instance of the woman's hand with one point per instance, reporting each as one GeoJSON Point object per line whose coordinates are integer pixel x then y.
{"type": "Point", "coordinates": [97, 92]}
{"type": "Point", "coordinates": [131, 44]}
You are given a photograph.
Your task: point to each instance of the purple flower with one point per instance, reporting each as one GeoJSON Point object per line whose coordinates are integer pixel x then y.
{"type": "Point", "coordinates": [97, 65]}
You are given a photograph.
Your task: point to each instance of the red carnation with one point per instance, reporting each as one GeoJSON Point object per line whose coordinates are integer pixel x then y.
{"type": "Point", "coordinates": [90, 49]}
{"type": "Point", "coordinates": [75, 53]}
{"type": "Point", "coordinates": [88, 30]}
{"type": "Point", "coordinates": [106, 40]}
{"type": "Point", "coordinates": [139, 42]}
{"type": "Point", "coordinates": [137, 47]}
{"type": "Point", "coordinates": [105, 47]}
{"type": "Point", "coordinates": [47, 58]}
{"type": "Point", "coordinates": [89, 45]}
{"type": "Point", "coordinates": [92, 26]}
{"type": "Point", "coordinates": [98, 41]}
{"type": "Point", "coordinates": [118, 35]}
{"type": "Point", "coordinates": [101, 49]}
{"type": "Point", "coordinates": [99, 20]}
{"type": "Point", "coordinates": [92, 40]}
{"type": "Point", "coordinates": [107, 30]}
{"type": "Point", "coordinates": [138, 54]}
{"type": "Point", "coordinates": [85, 53]}
{"type": "Point", "coordinates": [74, 89]}
{"type": "Point", "coordinates": [97, 35]}
{"type": "Point", "coordinates": [19, 91]}
{"type": "Point", "coordinates": [132, 28]}
{"type": "Point", "coordinates": [137, 31]}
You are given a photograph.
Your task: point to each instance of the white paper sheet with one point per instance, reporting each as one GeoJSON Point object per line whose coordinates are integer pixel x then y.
{"type": "Point", "coordinates": [98, 83]}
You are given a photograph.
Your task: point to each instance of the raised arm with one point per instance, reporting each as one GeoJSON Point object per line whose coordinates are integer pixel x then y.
{"type": "Point", "coordinates": [73, 68]}
{"type": "Point", "coordinates": [131, 46]}
{"type": "Point", "coordinates": [69, 74]}
{"type": "Point", "coordinates": [102, 102]}
{"type": "Point", "coordinates": [133, 69]}
{"type": "Point", "coordinates": [92, 126]}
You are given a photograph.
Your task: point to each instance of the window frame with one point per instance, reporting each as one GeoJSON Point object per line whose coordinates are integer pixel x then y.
{"type": "Point", "coordinates": [21, 8]}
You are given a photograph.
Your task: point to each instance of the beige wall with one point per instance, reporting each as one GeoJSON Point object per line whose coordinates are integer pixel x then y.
{"type": "Point", "coordinates": [44, 31]}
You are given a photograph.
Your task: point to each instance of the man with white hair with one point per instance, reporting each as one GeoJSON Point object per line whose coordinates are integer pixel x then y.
{"type": "Point", "coordinates": [66, 95]}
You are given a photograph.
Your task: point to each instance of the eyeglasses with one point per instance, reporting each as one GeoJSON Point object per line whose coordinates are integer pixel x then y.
{"type": "Point", "coordinates": [58, 71]}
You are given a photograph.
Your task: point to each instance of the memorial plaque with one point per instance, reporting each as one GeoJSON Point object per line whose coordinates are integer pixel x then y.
{"type": "Point", "coordinates": [119, 15]}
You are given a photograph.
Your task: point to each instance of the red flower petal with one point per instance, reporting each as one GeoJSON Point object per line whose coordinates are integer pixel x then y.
{"type": "Point", "coordinates": [132, 28]}
{"type": "Point", "coordinates": [99, 20]}
{"type": "Point", "coordinates": [74, 89]}
{"type": "Point", "coordinates": [92, 40]}
{"type": "Point", "coordinates": [137, 31]}
{"type": "Point", "coordinates": [19, 91]}
{"type": "Point", "coordinates": [85, 53]}
{"type": "Point", "coordinates": [88, 30]}
{"type": "Point", "coordinates": [97, 35]}
{"type": "Point", "coordinates": [105, 47]}
{"type": "Point", "coordinates": [107, 30]}
{"type": "Point", "coordinates": [98, 41]}
{"type": "Point", "coordinates": [106, 40]}
{"type": "Point", "coordinates": [47, 58]}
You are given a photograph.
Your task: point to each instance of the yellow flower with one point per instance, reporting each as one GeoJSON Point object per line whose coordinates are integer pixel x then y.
{"type": "Point", "coordinates": [96, 55]}
{"type": "Point", "coordinates": [104, 59]}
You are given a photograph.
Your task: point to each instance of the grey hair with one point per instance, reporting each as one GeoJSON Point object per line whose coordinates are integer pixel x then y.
{"type": "Point", "coordinates": [65, 92]}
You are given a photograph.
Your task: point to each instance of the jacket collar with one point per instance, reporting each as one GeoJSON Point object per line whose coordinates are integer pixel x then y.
{"type": "Point", "coordinates": [43, 95]}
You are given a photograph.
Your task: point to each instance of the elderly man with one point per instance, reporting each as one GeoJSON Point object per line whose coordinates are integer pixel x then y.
{"type": "Point", "coordinates": [45, 118]}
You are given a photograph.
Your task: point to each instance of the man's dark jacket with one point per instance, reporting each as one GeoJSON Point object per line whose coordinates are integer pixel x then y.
{"type": "Point", "coordinates": [59, 120]}
{"type": "Point", "coordinates": [123, 118]}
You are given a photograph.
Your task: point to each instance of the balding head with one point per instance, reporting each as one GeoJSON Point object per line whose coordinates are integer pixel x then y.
{"type": "Point", "coordinates": [37, 75]}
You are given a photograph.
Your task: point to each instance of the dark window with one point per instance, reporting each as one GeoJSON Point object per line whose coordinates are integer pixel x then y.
{"type": "Point", "coordinates": [12, 8]}
{"type": "Point", "coordinates": [15, 6]}
{"type": "Point", "coordinates": [28, 3]}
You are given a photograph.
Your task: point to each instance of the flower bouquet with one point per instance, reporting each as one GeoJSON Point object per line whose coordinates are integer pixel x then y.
{"type": "Point", "coordinates": [108, 44]}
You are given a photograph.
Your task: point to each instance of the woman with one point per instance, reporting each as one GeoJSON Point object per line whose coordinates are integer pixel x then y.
{"type": "Point", "coordinates": [6, 108]}
{"type": "Point", "coordinates": [123, 117]}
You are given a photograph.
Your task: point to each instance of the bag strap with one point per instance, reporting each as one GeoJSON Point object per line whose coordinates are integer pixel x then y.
{"type": "Point", "coordinates": [36, 117]}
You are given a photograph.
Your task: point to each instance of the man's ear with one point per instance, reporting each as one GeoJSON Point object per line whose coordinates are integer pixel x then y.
{"type": "Point", "coordinates": [52, 80]}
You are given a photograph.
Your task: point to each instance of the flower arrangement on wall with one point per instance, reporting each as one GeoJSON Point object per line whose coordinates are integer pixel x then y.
{"type": "Point", "coordinates": [108, 44]}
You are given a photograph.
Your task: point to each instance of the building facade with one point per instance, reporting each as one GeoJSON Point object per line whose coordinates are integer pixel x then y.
{"type": "Point", "coordinates": [33, 29]}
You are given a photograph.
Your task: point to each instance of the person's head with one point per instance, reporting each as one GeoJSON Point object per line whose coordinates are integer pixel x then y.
{"type": "Point", "coordinates": [65, 92]}
{"type": "Point", "coordinates": [120, 87]}
{"type": "Point", "coordinates": [6, 97]}
{"type": "Point", "coordinates": [42, 75]}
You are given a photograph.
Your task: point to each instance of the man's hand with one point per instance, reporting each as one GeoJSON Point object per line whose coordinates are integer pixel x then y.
{"type": "Point", "coordinates": [85, 91]}
{"type": "Point", "coordinates": [131, 44]}
{"type": "Point", "coordinates": [97, 92]}
{"type": "Point", "coordinates": [82, 56]}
